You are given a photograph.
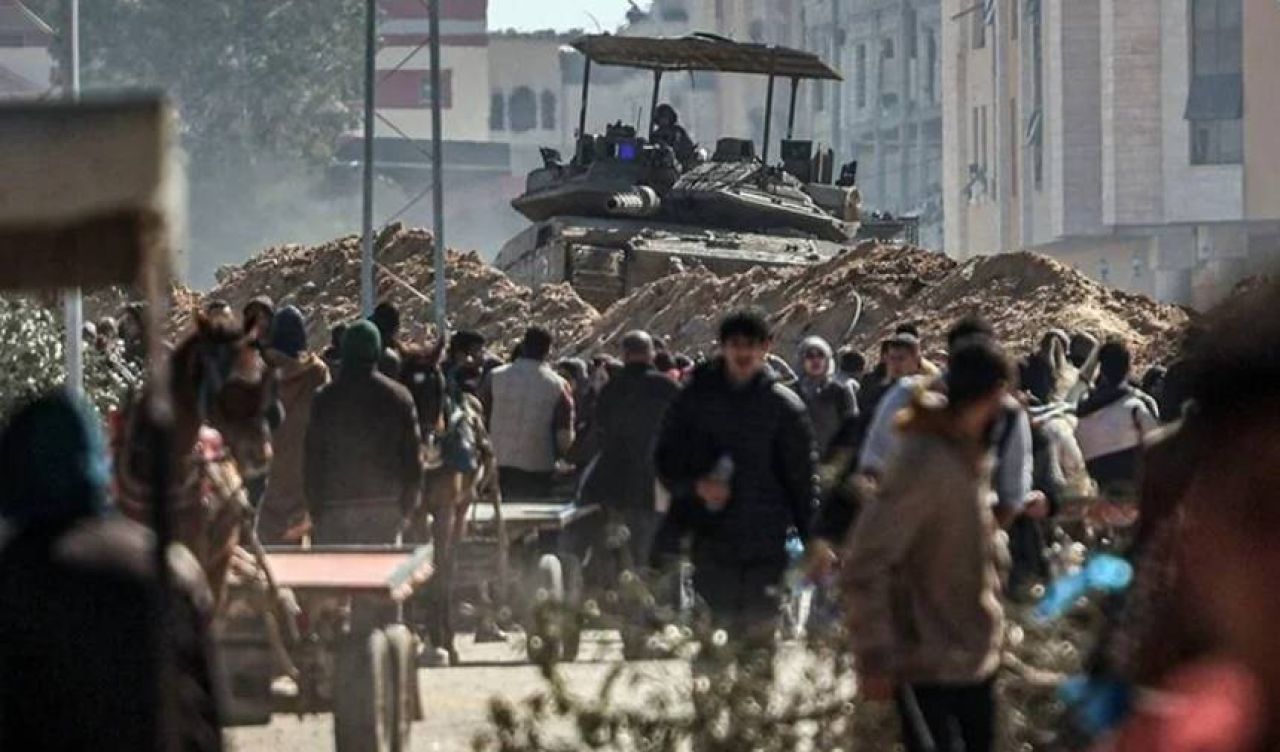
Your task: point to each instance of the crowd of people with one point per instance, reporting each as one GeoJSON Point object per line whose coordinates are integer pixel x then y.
{"type": "Point", "coordinates": [921, 487]}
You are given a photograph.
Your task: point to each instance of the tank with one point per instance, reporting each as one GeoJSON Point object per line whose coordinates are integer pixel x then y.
{"type": "Point", "coordinates": [624, 210]}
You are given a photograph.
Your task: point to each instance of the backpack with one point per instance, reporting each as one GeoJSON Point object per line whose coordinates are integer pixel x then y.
{"type": "Point", "coordinates": [459, 446]}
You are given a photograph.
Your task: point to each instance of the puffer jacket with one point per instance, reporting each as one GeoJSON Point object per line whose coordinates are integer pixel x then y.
{"type": "Point", "coordinates": [920, 577]}
{"type": "Point", "coordinates": [762, 427]}
{"type": "Point", "coordinates": [283, 504]}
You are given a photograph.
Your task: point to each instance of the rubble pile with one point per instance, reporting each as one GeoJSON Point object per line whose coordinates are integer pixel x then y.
{"type": "Point", "coordinates": [324, 282]}
{"type": "Point", "coordinates": [857, 299]}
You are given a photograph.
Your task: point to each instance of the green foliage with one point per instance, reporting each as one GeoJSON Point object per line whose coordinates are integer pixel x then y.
{"type": "Point", "coordinates": [713, 694]}
{"type": "Point", "coordinates": [250, 78]}
{"type": "Point", "coordinates": [262, 88]}
{"type": "Point", "coordinates": [31, 360]}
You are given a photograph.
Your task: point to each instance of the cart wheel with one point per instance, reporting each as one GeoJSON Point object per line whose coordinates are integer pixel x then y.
{"type": "Point", "coordinates": [364, 695]}
{"type": "Point", "coordinates": [408, 701]}
{"type": "Point", "coordinates": [560, 577]}
{"type": "Point", "coordinates": [571, 622]}
{"type": "Point", "coordinates": [551, 577]}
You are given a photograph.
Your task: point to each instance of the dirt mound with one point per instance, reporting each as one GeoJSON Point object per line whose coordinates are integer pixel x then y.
{"type": "Point", "coordinates": [858, 297]}
{"type": "Point", "coordinates": [324, 282]}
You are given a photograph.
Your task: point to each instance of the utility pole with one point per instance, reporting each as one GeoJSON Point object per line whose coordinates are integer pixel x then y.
{"type": "Point", "coordinates": [437, 173]}
{"type": "Point", "coordinates": [72, 303]}
{"type": "Point", "coordinates": [370, 89]}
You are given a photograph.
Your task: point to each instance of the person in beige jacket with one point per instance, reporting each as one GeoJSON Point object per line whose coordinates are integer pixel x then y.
{"type": "Point", "coordinates": [920, 579]}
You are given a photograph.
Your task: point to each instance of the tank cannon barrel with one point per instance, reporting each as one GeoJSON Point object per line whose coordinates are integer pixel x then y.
{"type": "Point", "coordinates": [641, 201]}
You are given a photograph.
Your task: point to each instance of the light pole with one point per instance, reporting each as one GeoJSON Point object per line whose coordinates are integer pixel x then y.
{"type": "Point", "coordinates": [72, 304]}
{"type": "Point", "coordinates": [370, 88]}
{"type": "Point", "coordinates": [437, 173]}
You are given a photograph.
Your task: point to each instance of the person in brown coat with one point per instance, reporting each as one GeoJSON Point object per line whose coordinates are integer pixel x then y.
{"type": "Point", "coordinates": [920, 579]}
{"type": "Point", "coordinates": [362, 467]}
{"type": "Point", "coordinates": [299, 375]}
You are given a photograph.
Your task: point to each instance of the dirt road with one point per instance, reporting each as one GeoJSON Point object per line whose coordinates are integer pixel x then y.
{"type": "Point", "coordinates": [456, 700]}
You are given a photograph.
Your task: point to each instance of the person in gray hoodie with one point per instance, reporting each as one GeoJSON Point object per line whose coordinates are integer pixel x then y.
{"type": "Point", "coordinates": [829, 401]}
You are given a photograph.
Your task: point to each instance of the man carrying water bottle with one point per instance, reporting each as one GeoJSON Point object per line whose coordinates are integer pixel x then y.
{"type": "Point", "coordinates": [736, 453]}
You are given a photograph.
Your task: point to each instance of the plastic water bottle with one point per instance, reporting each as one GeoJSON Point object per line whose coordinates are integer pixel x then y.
{"type": "Point", "coordinates": [723, 472]}
{"type": "Point", "coordinates": [1103, 573]}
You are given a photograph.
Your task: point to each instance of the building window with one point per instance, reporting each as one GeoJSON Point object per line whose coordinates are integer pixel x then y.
{"type": "Point", "coordinates": [886, 48]}
{"type": "Point", "coordinates": [819, 96]}
{"type": "Point", "coordinates": [548, 110]}
{"type": "Point", "coordinates": [497, 111]}
{"type": "Point", "coordinates": [1215, 100]}
{"type": "Point", "coordinates": [1035, 140]}
{"type": "Point", "coordinates": [931, 72]}
{"type": "Point", "coordinates": [522, 109]}
{"type": "Point", "coordinates": [911, 33]}
{"type": "Point", "coordinates": [1217, 142]}
{"type": "Point", "coordinates": [1013, 18]}
{"type": "Point", "coordinates": [411, 89]}
{"type": "Point", "coordinates": [1013, 146]}
{"type": "Point", "coordinates": [982, 129]}
{"type": "Point", "coordinates": [860, 76]}
{"type": "Point", "coordinates": [1035, 135]}
{"type": "Point", "coordinates": [979, 33]}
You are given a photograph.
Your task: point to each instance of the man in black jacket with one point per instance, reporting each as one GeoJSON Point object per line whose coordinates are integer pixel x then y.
{"type": "Point", "coordinates": [629, 413]}
{"type": "Point", "coordinates": [736, 453]}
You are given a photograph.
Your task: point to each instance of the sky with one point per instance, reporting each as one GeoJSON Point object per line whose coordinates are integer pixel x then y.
{"type": "Point", "coordinates": [561, 15]}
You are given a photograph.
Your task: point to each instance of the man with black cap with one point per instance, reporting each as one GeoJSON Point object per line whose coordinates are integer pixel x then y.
{"type": "Point", "coordinates": [361, 468]}
{"type": "Point", "coordinates": [80, 620]}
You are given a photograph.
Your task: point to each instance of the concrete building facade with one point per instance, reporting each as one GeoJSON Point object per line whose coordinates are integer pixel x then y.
{"type": "Point", "coordinates": [1131, 139]}
{"type": "Point", "coordinates": [26, 52]}
{"type": "Point", "coordinates": [887, 111]}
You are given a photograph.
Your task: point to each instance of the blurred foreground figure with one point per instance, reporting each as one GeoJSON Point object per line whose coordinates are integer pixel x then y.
{"type": "Point", "coordinates": [80, 621]}
{"type": "Point", "coordinates": [921, 581]}
{"type": "Point", "coordinates": [1227, 698]}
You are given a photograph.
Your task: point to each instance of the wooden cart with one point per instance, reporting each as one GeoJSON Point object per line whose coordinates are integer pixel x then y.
{"type": "Point", "coordinates": [525, 553]}
{"type": "Point", "coordinates": [319, 630]}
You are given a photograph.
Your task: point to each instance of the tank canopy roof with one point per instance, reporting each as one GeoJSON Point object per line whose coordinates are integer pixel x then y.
{"type": "Point", "coordinates": [703, 52]}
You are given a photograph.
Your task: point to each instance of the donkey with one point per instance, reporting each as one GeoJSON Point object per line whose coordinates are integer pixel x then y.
{"type": "Point", "coordinates": [447, 494]}
{"type": "Point", "coordinates": [221, 391]}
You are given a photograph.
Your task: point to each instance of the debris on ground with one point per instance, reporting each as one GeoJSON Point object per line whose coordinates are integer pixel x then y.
{"type": "Point", "coordinates": [853, 299]}
{"type": "Point", "coordinates": [857, 299]}
{"type": "Point", "coordinates": [324, 282]}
